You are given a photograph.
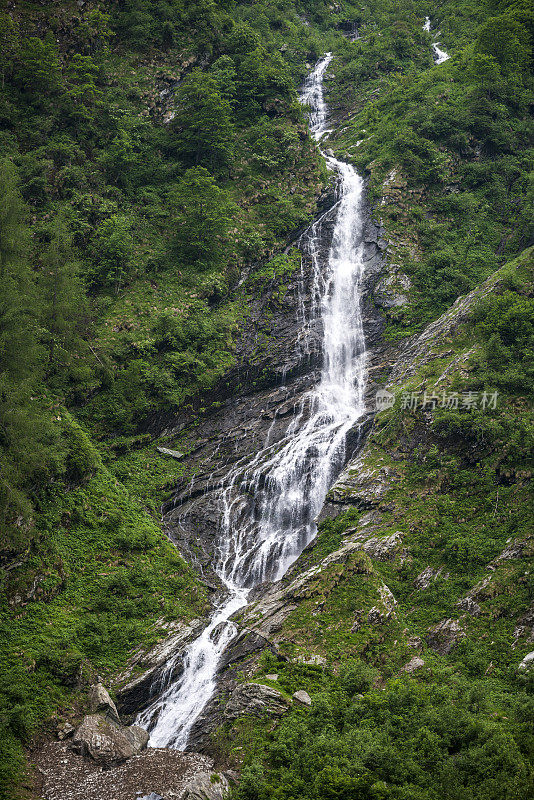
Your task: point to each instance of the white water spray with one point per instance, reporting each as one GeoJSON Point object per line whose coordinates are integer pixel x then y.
{"type": "Point", "coordinates": [439, 55]}
{"type": "Point", "coordinates": [269, 505]}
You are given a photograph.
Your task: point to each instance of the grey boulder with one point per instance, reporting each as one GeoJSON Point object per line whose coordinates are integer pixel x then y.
{"type": "Point", "coordinates": [528, 661]}
{"type": "Point", "coordinates": [206, 786]}
{"type": "Point", "coordinates": [415, 663]}
{"type": "Point", "coordinates": [444, 636]}
{"type": "Point", "coordinates": [302, 697]}
{"type": "Point", "coordinates": [255, 699]}
{"type": "Point", "coordinates": [107, 742]}
{"type": "Point", "coordinates": [100, 702]}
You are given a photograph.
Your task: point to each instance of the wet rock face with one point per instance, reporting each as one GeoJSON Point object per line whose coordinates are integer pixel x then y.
{"type": "Point", "coordinates": [279, 361]}
{"type": "Point", "coordinates": [273, 379]}
{"type": "Point", "coordinates": [139, 682]}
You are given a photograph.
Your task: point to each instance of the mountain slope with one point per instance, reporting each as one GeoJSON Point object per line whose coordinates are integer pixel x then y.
{"type": "Point", "coordinates": [156, 166]}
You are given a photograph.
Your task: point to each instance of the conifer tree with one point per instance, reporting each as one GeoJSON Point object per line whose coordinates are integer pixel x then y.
{"type": "Point", "coordinates": [27, 435]}
{"type": "Point", "coordinates": [203, 123]}
{"type": "Point", "coordinates": [63, 309]}
{"type": "Point", "coordinates": [203, 217]}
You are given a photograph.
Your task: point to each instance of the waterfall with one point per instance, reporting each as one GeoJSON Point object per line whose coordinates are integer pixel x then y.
{"type": "Point", "coordinates": [439, 55]}
{"type": "Point", "coordinates": [268, 505]}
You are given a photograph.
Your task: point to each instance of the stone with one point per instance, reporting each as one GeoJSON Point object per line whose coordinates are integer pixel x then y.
{"type": "Point", "coordinates": [383, 549]}
{"type": "Point", "coordinates": [426, 577]}
{"type": "Point", "coordinates": [527, 662]}
{"type": "Point", "coordinates": [302, 697]}
{"type": "Point", "coordinates": [514, 549]}
{"type": "Point", "coordinates": [444, 636]}
{"type": "Point", "coordinates": [206, 786]}
{"type": "Point", "coordinates": [254, 699]}
{"type": "Point", "coordinates": [484, 589]}
{"type": "Point", "coordinates": [415, 642]}
{"type": "Point", "coordinates": [100, 702]}
{"type": "Point", "coordinates": [376, 616]}
{"type": "Point", "coordinates": [273, 677]}
{"type": "Point", "coordinates": [392, 290]}
{"type": "Point", "coordinates": [311, 661]}
{"type": "Point", "coordinates": [171, 453]}
{"type": "Point", "coordinates": [414, 663]}
{"type": "Point", "coordinates": [106, 742]}
{"type": "Point", "coordinates": [357, 624]}
{"type": "Point", "coordinates": [361, 485]}
{"type": "Point", "coordinates": [524, 627]}
{"type": "Point", "coordinates": [65, 730]}
{"type": "Point", "coordinates": [468, 605]}
{"type": "Point", "coordinates": [151, 796]}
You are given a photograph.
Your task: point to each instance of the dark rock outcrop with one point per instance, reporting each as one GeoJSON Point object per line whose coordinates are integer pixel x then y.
{"type": "Point", "coordinates": [444, 636]}
{"type": "Point", "coordinates": [141, 680]}
{"type": "Point", "coordinates": [279, 360]}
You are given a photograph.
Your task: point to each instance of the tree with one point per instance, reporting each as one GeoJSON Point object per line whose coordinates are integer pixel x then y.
{"type": "Point", "coordinates": [203, 216]}
{"type": "Point", "coordinates": [63, 307]}
{"type": "Point", "coordinates": [9, 41]}
{"type": "Point", "coordinates": [39, 67]}
{"type": "Point", "coordinates": [223, 72]}
{"type": "Point", "coordinates": [203, 123]}
{"type": "Point", "coordinates": [95, 31]}
{"type": "Point", "coordinates": [17, 332]}
{"type": "Point", "coordinates": [112, 252]}
{"type": "Point", "coordinates": [120, 158]}
{"type": "Point", "coordinates": [82, 93]}
{"type": "Point", "coordinates": [27, 435]}
{"type": "Point", "coordinates": [485, 73]}
{"type": "Point", "coordinates": [508, 41]}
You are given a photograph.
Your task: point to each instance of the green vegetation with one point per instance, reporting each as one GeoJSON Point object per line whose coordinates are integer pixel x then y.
{"type": "Point", "coordinates": [94, 580]}
{"type": "Point", "coordinates": [458, 495]}
{"type": "Point", "coordinates": [441, 736]}
{"type": "Point", "coordinates": [455, 139]}
{"type": "Point", "coordinates": [151, 152]}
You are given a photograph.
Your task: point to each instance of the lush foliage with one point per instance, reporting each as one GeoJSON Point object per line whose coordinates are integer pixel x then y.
{"type": "Point", "coordinates": [151, 151]}
{"type": "Point", "coordinates": [443, 737]}
{"type": "Point", "coordinates": [457, 140]}
{"type": "Point", "coordinates": [459, 497]}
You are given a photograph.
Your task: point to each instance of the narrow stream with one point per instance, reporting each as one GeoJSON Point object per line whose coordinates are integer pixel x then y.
{"type": "Point", "coordinates": [439, 55]}
{"type": "Point", "coordinates": [287, 481]}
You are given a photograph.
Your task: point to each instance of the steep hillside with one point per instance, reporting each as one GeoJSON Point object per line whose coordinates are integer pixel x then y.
{"type": "Point", "coordinates": [407, 620]}
{"type": "Point", "coordinates": [158, 182]}
{"type": "Point", "coordinates": [151, 152]}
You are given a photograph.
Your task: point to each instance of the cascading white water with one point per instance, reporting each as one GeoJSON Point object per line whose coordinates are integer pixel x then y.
{"type": "Point", "coordinates": [439, 55]}
{"type": "Point", "coordinates": [269, 505]}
